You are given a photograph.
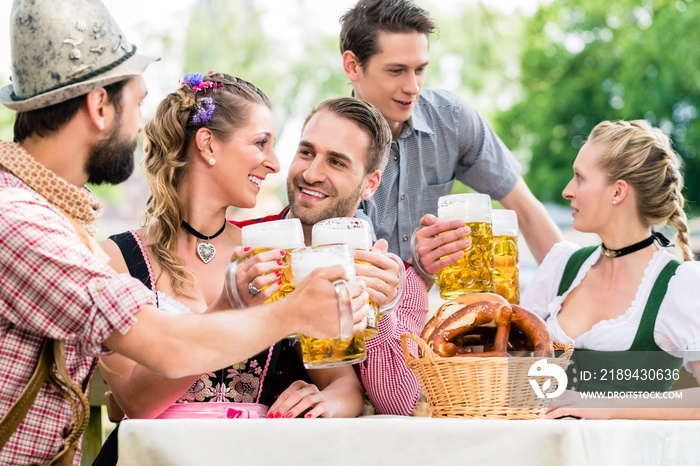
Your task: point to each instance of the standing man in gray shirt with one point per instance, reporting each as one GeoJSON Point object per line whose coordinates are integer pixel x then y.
{"type": "Point", "coordinates": [438, 137]}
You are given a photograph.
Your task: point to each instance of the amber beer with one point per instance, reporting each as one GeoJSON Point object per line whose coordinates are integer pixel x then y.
{"type": "Point", "coordinates": [317, 353]}
{"type": "Point", "coordinates": [357, 234]}
{"type": "Point", "coordinates": [284, 234]}
{"type": "Point", "coordinates": [505, 255]}
{"type": "Point", "coordinates": [473, 272]}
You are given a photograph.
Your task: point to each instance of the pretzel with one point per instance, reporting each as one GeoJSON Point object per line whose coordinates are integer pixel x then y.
{"type": "Point", "coordinates": [453, 306]}
{"type": "Point", "coordinates": [492, 328]}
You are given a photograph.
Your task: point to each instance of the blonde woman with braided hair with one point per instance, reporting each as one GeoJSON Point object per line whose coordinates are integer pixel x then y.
{"type": "Point", "coordinates": [208, 147]}
{"type": "Point", "coordinates": [629, 307]}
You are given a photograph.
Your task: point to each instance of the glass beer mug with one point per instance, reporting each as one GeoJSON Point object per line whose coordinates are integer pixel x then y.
{"type": "Point", "coordinates": [505, 255]}
{"type": "Point", "coordinates": [284, 234]}
{"type": "Point", "coordinates": [473, 272]}
{"type": "Point", "coordinates": [357, 234]}
{"type": "Point", "coordinates": [318, 353]}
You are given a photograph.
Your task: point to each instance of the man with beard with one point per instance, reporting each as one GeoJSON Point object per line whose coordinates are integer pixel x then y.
{"type": "Point", "coordinates": [343, 149]}
{"type": "Point", "coordinates": [61, 304]}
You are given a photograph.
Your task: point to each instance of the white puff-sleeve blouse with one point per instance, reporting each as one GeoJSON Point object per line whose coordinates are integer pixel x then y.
{"type": "Point", "coordinates": [677, 329]}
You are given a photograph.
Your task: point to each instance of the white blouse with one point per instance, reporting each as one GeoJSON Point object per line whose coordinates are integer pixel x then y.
{"type": "Point", "coordinates": [677, 329]}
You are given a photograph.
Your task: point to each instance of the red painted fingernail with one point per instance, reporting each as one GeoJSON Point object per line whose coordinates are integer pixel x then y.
{"type": "Point", "coordinates": [279, 282]}
{"type": "Point", "coordinates": [288, 415]}
{"type": "Point", "coordinates": [269, 415]}
{"type": "Point", "coordinates": [246, 249]}
{"type": "Point", "coordinates": [283, 252]}
{"type": "Point", "coordinates": [308, 416]}
{"type": "Point", "coordinates": [280, 262]}
{"type": "Point", "coordinates": [278, 273]}
{"type": "Point", "coordinates": [278, 415]}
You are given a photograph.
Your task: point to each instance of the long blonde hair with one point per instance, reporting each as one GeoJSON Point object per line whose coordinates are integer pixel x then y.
{"type": "Point", "coordinates": [169, 136]}
{"type": "Point", "coordinates": [642, 156]}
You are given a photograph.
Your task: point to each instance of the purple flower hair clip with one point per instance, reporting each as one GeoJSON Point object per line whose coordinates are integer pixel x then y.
{"type": "Point", "coordinates": [203, 110]}
{"type": "Point", "coordinates": [197, 82]}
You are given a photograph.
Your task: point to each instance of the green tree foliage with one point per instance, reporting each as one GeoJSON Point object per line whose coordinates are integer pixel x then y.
{"type": "Point", "coordinates": [230, 36]}
{"type": "Point", "coordinates": [599, 60]}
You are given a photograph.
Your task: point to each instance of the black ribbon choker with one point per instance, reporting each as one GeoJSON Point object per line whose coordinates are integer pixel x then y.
{"type": "Point", "coordinates": [663, 241]}
{"type": "Point", "coordinates": [205, 250]}
{"type": "Point", "coordinates": [197, 234]}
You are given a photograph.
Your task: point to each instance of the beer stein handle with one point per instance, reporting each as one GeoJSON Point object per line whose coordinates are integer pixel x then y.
{"type": "Point", "coordinates": [416, 260]}
{"type": "Point", "coordinates": [342, 293]}
{"type": "Point", "coordinates": [390, 307]}
{"type": "Point", "coordinates": [230, 285]}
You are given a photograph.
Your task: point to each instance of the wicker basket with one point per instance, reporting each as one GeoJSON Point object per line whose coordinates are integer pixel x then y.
{"type": "Point", "coordinates": [479, 387]}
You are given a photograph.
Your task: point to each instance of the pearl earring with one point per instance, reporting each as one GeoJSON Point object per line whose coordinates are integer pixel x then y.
{"type": "Point", "coordinates": [614, 202]}
{"type": "Point", "coordinates": [212, 161]}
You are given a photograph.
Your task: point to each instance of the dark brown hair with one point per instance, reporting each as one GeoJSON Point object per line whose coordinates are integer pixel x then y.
{"type": "Point", "coordinates": [361, 24]}
{"type": "Point", "coordinates": [369, 119]}
{"type": "Point", "coordinates": [43, 121]}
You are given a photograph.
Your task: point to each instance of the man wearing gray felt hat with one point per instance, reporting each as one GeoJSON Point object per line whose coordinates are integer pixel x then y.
{"type": "Point", "coordinates": [64, 49]}
{"type": "Point", "coordinates": [77, 88]}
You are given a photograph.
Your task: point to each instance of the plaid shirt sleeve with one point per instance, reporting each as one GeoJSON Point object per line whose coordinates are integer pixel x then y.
{"type": "Point", "coordinates": [52, 286]}
{"type": "Point", "coordinates": [391, 386]}
{"type": "Point", "coordinates": [52, 283]}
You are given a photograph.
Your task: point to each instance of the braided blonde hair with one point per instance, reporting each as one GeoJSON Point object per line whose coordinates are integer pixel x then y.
{"type": "Point", "coordinates": [170, 135]}
{"type": "Point", "coordinates": [642, 156]}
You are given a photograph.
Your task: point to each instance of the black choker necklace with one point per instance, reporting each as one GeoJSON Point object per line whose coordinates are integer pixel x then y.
{"type": "Point", "coordinates": [205, 250]}
{"type": "Point", "coordinates": [663, 241]}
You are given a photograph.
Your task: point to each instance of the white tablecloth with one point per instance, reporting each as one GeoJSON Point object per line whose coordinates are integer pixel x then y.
{"type": "Point", "coordinates": [393, 440]}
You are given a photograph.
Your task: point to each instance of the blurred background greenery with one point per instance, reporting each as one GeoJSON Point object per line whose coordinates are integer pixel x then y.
{"type": "Point", "coordinates": [542, 78]}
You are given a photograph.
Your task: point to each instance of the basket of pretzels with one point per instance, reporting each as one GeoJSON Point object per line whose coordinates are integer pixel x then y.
{"type": "Point", "coordinates": [481, 357]}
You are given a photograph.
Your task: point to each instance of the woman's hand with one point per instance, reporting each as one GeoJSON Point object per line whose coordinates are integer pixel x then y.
{"type": "Point", "coordinates": [301, 398]}
{"type": "Point", "coordinates": [335, 392]}
{"type": "Point", "coordinates": [570, 404]}
{"type": "Point", "coordinates": [262, 271]}
{"type": "Point", "coordinates": [381, 275]}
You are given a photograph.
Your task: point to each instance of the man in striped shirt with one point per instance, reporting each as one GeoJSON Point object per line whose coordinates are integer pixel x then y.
{"type": "Point", "coordinates": [343, 148]}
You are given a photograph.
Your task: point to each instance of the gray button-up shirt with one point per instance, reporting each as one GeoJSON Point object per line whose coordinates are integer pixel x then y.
{"type": "Point", "coordinates": [445, 139]}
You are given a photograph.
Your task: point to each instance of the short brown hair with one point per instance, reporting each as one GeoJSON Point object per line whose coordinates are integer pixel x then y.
{"type": "Point", "coordinates": [361, 24]}
{"type": "Point", "coordinates": [369, 119]}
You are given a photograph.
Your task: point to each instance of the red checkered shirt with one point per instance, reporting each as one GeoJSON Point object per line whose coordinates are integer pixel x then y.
{"type": "Point", "coordinates": [52, 286]}
{"type": "Point", "coordinates": [392, 387]}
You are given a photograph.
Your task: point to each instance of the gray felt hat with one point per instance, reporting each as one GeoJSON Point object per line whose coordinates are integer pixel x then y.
{"type": "Point", "coordinates": [63, 49]}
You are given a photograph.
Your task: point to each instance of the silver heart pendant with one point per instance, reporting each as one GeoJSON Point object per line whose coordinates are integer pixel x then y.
{"type": "Point", "coordinates": [206, 251]}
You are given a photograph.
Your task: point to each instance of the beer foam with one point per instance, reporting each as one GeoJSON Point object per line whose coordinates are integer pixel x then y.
{"type": "Point", "coordinates": [282, 234]}
{"type": "Point", "coordinates": [505, 222]}
{"type": "Point", "coordinates": [465, 212]}
{"type": "Point", "coordinates": [355, 238]}
{"type": "Point", "coordinates": [304, 264]}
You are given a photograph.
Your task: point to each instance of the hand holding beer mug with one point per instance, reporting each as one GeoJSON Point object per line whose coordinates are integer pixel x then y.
{"type": "Point", "coordinates": [505, 255]}
{"type": "Point", "coordinates": [348, 349]}
{"type": "Point", "coordinates": [325, 288]}
{"type": "Point", "coordinates": [270, 268]}
{"type": "Point", "coordinates": [356, 233]}
{"type": "Point", "coordinates": [473, 272]}
{"type": "Point", "coordinates": [436, 244]}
